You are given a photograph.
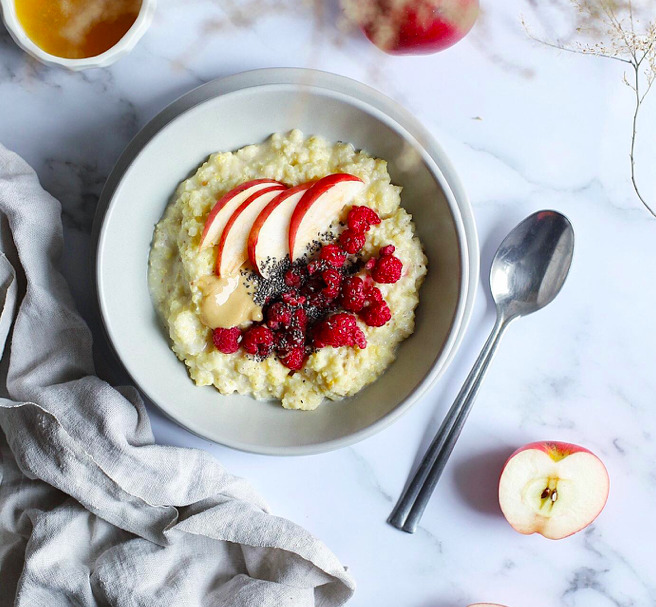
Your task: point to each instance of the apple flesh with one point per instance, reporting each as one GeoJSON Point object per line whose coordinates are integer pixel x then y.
{"type": "Point", "coordinates": [268, 240]}
{"type": "Point", "coordinates": [318, 208]}
{"type": "Point", "coordinates": [226, 206]}
{"type": "Point", "coordinates": [552, 488]}
{"type": "Point", "coordinates": [486, 605]}
{"type": "Point", "coordinates": [232, 251]}
{"type": "Point", "coordinates": [401, 27]}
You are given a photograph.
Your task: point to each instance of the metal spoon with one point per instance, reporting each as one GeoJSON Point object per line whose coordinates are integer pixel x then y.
{"type": "Point", "coordinates": [528, 271]}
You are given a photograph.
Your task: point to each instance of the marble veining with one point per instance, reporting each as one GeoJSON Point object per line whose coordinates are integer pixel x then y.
{"type": "Point", "coordinates": [527, 127]}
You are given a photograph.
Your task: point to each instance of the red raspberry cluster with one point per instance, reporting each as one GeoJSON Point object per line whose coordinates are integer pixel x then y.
{"type": "Point", "coordinates": [339, 330]}
{"type": "Point", "coordinates": [320, 300]}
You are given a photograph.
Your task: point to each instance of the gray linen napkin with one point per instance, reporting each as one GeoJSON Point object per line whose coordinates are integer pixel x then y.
{"type": "Point", "coordinates": [92, 512]}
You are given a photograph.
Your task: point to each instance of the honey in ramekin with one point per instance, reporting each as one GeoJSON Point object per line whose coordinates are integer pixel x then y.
{"type": "Point", "coordinates": [75, 29]}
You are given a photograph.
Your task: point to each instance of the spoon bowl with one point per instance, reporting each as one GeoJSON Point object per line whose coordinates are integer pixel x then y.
{"type": "Point", "coordinates": [531, 264]}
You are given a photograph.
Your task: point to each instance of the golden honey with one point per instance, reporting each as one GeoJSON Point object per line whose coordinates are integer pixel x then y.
{"type": "Point", "coordinates": [75, 29]}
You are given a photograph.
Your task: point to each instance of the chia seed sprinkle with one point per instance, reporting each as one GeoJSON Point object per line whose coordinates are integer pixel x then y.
{"type": "Point", "coordinates": [266, 289]}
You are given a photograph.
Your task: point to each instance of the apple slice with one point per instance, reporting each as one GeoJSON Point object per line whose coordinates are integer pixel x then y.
{"type": "Point", "coordinates": [318, 208]}
{"type": "Point", "coordinates": [552, 488]}
{"type": "Point", "coordinates": [225, 207]}
{"type": "Point", "coordinates": [233, 246]}
{"type": "Point", "coordinates": [269, 237]}
{"type": "Point", "coordinates": [486, 605]}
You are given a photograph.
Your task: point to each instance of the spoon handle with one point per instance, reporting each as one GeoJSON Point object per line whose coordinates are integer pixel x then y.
{"type": "Point", "coordinates": [413, 501]}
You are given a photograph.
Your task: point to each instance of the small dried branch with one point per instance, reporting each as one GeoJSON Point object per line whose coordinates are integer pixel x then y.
{"type": "Point", "coordinates": [614, 30]}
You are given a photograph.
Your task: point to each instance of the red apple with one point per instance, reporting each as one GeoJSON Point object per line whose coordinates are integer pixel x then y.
{"type": "Point", "coordinates": [551, 488]}
{"type": "Point", "coordinates": [409, 27]}
{"type": "Point", "coordinates": [225, 207]}
{"type": "Point", "coordinates": [268, 240]}
{"type": "Point", "coordinates": [318, 208]}
{"type": "Point", "coordinates": [232, 251]}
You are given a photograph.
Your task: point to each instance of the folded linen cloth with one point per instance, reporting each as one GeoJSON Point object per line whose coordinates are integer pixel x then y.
{"type": "Point", "coordinates": [92, 512]}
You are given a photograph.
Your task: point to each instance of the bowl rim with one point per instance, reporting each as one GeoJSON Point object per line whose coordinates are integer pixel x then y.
{"type": "Point", "coordinates": [121, 48]}
{"type": "Point", "coordinates": [383, 107]}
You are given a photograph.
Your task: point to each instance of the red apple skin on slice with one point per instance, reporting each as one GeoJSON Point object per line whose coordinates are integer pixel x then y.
{"type": "Point", "coordinates": [552, 488]}
{"type": "Point", "coordinates": [226, 206]}
{"type": "Point", "coordinates": [232, 251]}
{"type": "Point", "coordinates": [269, 237]}
{"type": "Point", "coordinates": [319, 206]}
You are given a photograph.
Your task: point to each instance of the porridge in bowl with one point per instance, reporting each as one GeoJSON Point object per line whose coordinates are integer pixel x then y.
{"type": "Point", "coordinates": [287, 270]}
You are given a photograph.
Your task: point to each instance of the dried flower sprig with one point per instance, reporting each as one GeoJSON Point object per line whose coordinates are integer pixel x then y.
{"type": "Point", "coordinates": [613, 29]}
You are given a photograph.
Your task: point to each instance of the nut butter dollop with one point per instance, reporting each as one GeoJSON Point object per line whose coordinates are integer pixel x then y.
{"type": "Point", "coordinates": [226, 302]}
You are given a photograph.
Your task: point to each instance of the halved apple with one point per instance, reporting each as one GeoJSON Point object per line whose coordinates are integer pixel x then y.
{"type": "Point", "coordinates": [269, 238]}
{"type": "Point", "coordinates": [226, 206]}
{"type": "Point", "coordinates": [232, 251]}
{"type": "Point", "coordinates": [552, 488]}
{"type": "Point", "coordinates": [318, 208]}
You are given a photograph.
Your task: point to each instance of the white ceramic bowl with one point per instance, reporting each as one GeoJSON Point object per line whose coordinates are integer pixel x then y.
{"type": "Point", "coordinates": [122, 47]}
{"type": "Point", "coordinates": [228, 114]}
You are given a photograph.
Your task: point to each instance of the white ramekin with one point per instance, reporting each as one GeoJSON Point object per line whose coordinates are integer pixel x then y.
{"type": "Point", "coordinates": [122, 47]}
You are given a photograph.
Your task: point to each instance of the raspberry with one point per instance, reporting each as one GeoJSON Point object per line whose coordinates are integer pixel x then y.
{"type": "Point", "coordinates": [313, 267]}
{"type": "Point", "coordinates": [388, 269]}
{"type": "Point", "coordinates": [352, 241]}
{"type": "Point", "coordinates": [333, 255]}
{"type": "Point", "coordinates": [373, 294]}
{"type": "Point", "coordinates": [359, 339]}
{"type": "Point", "coordinates": [353, 294]}
{"type": "Point", "coordinates": [227, 340]}
{"type": "Point", "coordinates": [388, 250]}
{"type": "Point", "coordinates": [312, 286]}
{"type": "Point", "coordinates": [293, 298]}
{"type": "Point", "coordinates": [376, 315]}
{"type": "Point", "coordinates": [330, 292]}
{"type": "Point", "coordinates": [258, 341]}
{"type": "Point", "coordinates": [294, 358]}
{"type": "Point", "coordinates": [334, 331]}
{"type": "Point", "coordinates": [284, 341]}
{"type": "Point", "coordinates": [333, 280]}
{"type": "Point", "coordinates": [293, 277]}
{"type": "Point", "coordinates": [371, 262]}
{"type": "Point", "coordinates": [316, 300]}
{"type": "Point", "coordinates": [299, 319]}
{"type": "Point", "coordinates": [339, 330]}
{"type": "Point", "coordinates": [278, 315]}
{"type": "Point", "coordinates": [360, 219]}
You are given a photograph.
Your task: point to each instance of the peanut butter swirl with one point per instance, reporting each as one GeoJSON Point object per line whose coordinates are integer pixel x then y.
{"type": "Point", "coordinates": [226, 302]}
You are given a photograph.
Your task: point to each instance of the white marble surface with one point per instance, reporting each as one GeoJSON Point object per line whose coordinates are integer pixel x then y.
{"type": "Point", "coordinates": [527, 127]}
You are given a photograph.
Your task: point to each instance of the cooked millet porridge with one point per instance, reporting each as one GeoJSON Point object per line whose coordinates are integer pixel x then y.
{"type": "Point", "coordinates": [180, 272]}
